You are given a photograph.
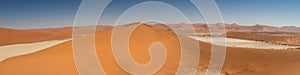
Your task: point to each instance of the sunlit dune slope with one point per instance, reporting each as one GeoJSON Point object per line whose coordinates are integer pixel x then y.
{"type": "Point", "coordinates": [14, 36]}
{"type": "Point", "coordinates": [58, 60]}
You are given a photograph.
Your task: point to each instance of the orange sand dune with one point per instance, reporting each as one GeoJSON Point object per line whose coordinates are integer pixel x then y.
{"type": "Point", "coordinates": [58, 60]}
{"type": "Point", "coordinates": [47, 62]}
{"type": "Point", "coordinates": [13, 36]}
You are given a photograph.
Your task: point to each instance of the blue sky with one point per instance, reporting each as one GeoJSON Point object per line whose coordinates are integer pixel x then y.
{"type": "Point", "coordinates": [30, 14]}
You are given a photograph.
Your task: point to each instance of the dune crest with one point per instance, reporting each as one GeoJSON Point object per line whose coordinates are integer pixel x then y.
{"type": "Point", "coordinates": [58, 60]}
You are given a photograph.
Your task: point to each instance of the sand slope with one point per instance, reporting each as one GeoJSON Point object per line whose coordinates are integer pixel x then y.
{"type": "Point", "coordinates": [47, 61]}
{"type": "Point", "coordinates": [9, 51]}
{"type": "Point", "coordinates": [13, 36]}
{"type": "Point", "coordinates": [58, 60]}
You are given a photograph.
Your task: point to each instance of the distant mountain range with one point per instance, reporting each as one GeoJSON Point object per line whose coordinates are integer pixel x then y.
{"type": "Point", "coordinates": [235, 27]}
{"type": "Point", "coordinates": [34, 35]}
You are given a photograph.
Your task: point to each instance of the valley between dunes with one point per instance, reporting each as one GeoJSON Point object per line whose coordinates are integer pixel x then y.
{"type": "Point", "coordinates": [58, 60]}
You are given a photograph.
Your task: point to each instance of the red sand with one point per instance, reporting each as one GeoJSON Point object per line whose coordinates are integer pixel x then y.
{"type": "Point", "coordinates": [13, 36]}
{"type": "Point", "coordinates": [58, 60]}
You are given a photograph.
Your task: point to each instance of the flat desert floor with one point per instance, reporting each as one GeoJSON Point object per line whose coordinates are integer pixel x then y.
{"type": "Point", "coordinates": [233, 42]}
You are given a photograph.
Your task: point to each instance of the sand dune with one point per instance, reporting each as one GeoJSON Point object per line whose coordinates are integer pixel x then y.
{"type": "Point", "coordinates": [9, 51]}
{"type": "Point", "coordinates": [14, 36]}
{"type": "Point", "coordinates": [58, 60]}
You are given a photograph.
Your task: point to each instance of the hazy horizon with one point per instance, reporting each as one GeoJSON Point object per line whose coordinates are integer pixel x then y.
{"type": "Point", "coordinates": [63, 26]}
{"type": "Point", "coordinates": [33, 14]}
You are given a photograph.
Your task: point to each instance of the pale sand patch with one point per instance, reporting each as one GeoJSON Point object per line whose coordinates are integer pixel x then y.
{"type": "Point", "coordinates": [204, 72]}
{"type": "Point", "coordinates": [9, 51]}
{"type": "Point", "coordinates": [233, 42]}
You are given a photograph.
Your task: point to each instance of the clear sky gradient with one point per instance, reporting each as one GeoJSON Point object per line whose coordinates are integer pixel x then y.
{"type": "Point", "coordinates": [30, 14]}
